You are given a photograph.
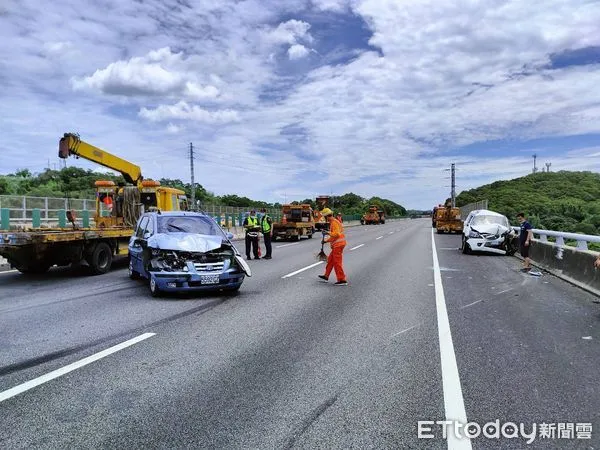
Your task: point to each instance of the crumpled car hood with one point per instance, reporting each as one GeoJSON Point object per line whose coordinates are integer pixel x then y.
{"type": "Point", "coordinates": [494, 229]}
{"type": "Point", "coordinates": [185, 242]}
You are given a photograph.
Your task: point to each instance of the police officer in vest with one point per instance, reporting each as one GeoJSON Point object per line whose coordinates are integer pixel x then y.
{"type": "Point", "coordinates": [252, 228]}
{"type": "Point", "coordinates": [266, 227]}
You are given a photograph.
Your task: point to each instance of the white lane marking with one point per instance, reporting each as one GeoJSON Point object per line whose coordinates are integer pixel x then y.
{"type": "Point", "coordinates": [71, 367]}
{"type": "Point", "coordinates": [470, 304]}
{"type": "Point", "coordinates": [302, 270]}
{"type": "Point", "coordinates": [8, 271]}
{"type": "Point", "coordinates": [391, 232]}
{"type": "Point", "coordinates": [454, 404]}
{"type": "Point", "coordinates": [502, 292]}
{"type": "Point", "coordinates": [287, 245]}
{"type": "Point", "coordinates": [404, 331]}
{"type": "Point", "coordinates": [378, 238]}
{"type": "Point", "coordinates": [358, 246]}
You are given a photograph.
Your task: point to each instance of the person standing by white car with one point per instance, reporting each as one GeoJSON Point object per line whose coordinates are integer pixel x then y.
{"type": "Point", "coordinates": [525, 237]}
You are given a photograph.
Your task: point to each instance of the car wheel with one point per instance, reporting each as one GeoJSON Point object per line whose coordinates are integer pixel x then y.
{"type": "Point", "coordinates": [466, 249]}
{"type": "Point", "coordinates": [132, 273]}
{"type": "Point", "coordinates": [154, 290]}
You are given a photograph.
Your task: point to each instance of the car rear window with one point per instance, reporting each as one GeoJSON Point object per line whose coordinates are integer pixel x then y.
{"type": "Point", "coordinates": [196, 225]}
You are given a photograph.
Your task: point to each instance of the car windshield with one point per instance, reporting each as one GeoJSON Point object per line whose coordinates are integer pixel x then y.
{"type": "Point", "coordinates": [196, 225]}
{"type": "Point", "coordinates": [489, 220]}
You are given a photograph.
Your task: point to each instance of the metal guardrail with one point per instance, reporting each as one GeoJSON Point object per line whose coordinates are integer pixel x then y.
{"type": "Point", "coordinates": [465, 210]}
{"type": "Point", "coordinates": [24, 211]}
{"type": "Point", "coordinates": [560, 236]}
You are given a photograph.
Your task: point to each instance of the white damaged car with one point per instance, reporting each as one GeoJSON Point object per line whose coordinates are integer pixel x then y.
{"type": "Point", "coordinates": [487, 231]}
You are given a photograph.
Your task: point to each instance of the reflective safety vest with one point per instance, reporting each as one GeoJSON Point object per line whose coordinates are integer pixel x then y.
{"type": "Point", "coordinates": [252, 222]}
{"type": "Point", "coordinates": [266, 226]}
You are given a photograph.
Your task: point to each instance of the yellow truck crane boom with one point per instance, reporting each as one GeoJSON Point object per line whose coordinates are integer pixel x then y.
{"type": "Point", "coordinates": [117, 211]}
{"type": "Point", "coordinates": [71, 144]}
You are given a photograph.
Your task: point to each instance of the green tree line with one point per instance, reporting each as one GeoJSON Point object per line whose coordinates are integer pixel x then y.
{"type": "Point", "coordinates": [562, 201]}
{"type": "Point", "coordinates": [75, 182]}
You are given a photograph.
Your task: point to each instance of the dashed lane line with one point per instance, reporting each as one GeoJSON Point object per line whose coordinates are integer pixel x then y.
{"type": "Point", "coordinates": [71, 367]}
{"type": "Point", "coordinates": [302, 270]}
{"type": "Point", "coordinates": [358, 246]}
{"type": "Point", "coordinates": [287, 245]}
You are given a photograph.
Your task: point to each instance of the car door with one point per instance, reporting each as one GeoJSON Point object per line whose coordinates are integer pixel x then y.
{"type": "Point", "coordinates": [135, 248]}
{"type": "Point", "coordinates": [467, 224]}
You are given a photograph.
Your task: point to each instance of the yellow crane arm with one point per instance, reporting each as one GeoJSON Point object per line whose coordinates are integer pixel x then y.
{"type": "Point", "coordinates": [71, 144]}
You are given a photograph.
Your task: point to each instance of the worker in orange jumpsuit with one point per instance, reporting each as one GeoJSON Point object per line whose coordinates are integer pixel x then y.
{"type": "Point", "coordinates": [337, 241]}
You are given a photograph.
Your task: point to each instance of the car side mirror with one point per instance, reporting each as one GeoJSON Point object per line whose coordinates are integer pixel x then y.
{"type": "Point", "coordinates": [147, 234]}
{"type": "Point", "coordinates": [229, 235]}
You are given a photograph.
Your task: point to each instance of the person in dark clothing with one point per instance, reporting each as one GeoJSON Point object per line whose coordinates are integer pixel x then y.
{"type": "Point", "coordinates": [266, 227]}
{"type": "Point", "coordinates": [252, 228]}
{"type": "Point", "coordinates": [525, 237]}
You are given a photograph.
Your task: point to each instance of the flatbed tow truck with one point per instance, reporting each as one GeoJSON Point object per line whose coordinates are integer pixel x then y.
{"type": "Point", "coordinates": [117, 211]}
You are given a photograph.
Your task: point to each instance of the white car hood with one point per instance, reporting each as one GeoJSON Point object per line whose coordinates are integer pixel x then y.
{"type": "Point", "coordinates": [492, 229]}
{"type": "Point", "coordinates": [185, 242]}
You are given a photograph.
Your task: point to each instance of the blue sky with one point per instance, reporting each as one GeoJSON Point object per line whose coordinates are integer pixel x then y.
{"type": "Point", "coordinates": [291, 99]}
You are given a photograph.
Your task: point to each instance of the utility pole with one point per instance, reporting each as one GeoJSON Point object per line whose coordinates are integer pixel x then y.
{"type": "Point", "coordinates": [192, 173]}
{"type": "Point", "coordinates": [453, 191]}
{"type": "Point", "coordinates": [453, 185]}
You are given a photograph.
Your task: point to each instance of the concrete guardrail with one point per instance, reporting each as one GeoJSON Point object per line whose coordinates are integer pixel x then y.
{"type": "Point", "coordinates": [572, 264]}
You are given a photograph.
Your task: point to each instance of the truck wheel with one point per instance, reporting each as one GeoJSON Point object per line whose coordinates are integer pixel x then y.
{"type": "Point", "coordinates": [154, 290]}
{"type": "Point", "coordinates": [310, 235]}
{"type": "Point", "coordinates": [101, 259]}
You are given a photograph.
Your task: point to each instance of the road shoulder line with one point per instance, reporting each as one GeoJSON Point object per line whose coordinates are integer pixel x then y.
{"type": "Point", "coordinates": [454, 405]}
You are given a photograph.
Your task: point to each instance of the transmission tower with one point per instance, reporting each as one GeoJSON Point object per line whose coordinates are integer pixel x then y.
{"type": "Point", "coordinates": [192, 177]}
{"type": "Point", "coordinates": [548, 164]}
{"type": "Point", "coordinates": [534, 163]}
{"type": "Point", "coordinates": [453, 185]}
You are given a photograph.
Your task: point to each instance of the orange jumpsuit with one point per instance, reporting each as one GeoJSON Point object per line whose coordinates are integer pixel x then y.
{"type": "Point", "coordinates": [337, 240]}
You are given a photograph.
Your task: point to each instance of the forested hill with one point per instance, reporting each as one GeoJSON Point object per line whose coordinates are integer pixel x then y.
{"type": "Point", "coordinates": [79, 183]}
{"type": "Point", "coordinates": [564, 201]}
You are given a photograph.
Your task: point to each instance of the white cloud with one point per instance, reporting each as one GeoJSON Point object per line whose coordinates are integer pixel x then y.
{"type": "Point", "coordinates": [290, 32]}
{"type": "Point", "coordinates": [330, 5]}
{"type": "Point", "coordinates": [174, 129]}
{"type": "Point", "coordinates": [160, 72]}
{"type": "Point", "coordinates": [185, 111]}
{"type": "Point", "coordinates": [297, 51]}
{"type": "Point", "coordinates": [445, 74]}
{"type": "Point", "coordinates": [57, 47]}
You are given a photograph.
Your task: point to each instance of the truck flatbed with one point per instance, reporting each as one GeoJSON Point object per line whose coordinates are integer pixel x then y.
{"type": "Point", "coordinates": [36, 250]}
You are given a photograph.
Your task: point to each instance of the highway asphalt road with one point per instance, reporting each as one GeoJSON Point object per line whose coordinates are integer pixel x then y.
{"type": "Point", "coordinates": [289, 362]}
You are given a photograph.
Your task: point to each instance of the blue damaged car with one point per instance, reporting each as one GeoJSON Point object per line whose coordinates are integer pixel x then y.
{"type": "Point", "coordinates": [185, 251]}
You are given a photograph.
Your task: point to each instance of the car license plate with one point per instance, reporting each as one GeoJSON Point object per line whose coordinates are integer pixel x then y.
{"type": "Point", "coordinates": [209, 279]}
